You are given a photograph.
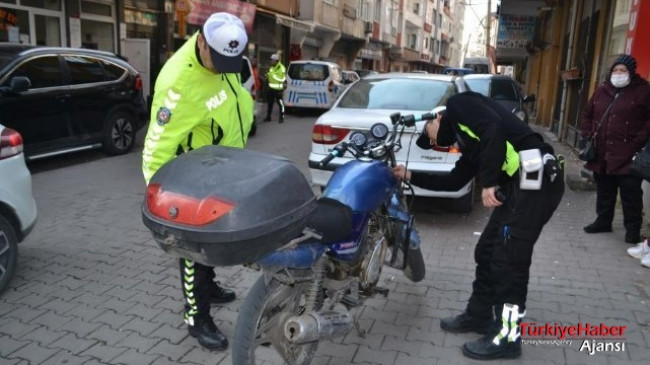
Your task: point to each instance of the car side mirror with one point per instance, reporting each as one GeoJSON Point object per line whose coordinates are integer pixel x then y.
{"type": "Point", "coordinates": [529, 98]}
{"type": "Point", "coordinates": [17, 85]}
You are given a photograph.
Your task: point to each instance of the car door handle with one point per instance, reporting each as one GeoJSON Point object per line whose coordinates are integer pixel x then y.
{"type": "Point", "coordinates": [63, 97]}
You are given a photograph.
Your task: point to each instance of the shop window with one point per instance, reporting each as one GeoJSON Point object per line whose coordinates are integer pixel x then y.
{"type": "Point", "coordinates": [90, 7]}
{"type": "Point", "coordinates": [43, 4]}
{"type": "Point", "coordinates": [48, 30]}
{"type": "Point", "coordinates": [97, 35]}
{"type": "Point", "coordinates": [42, 72]}
{"type": "Point", "coordinates": [84, 70]}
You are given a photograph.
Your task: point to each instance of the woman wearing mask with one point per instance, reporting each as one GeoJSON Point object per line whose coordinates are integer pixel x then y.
{"type": "Point", "coordinates": [619, 114]}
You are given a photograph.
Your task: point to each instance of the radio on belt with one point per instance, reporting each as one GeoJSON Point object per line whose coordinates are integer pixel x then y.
{"type": "Point", "coordinates": [532, 169]}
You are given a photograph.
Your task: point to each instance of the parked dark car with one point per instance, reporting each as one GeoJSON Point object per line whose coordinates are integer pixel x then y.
{"type": "Point", "coordinates": [503, 89]}
{"type": "Point", "coordinates": [64, 99]}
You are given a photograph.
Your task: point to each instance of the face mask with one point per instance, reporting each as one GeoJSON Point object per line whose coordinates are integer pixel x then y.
{"type": "Point", "coordinates": [620, 80]}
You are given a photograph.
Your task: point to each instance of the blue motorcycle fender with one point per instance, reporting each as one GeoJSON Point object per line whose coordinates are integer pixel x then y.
{"type": "Point", "coordinates": [301, 257]}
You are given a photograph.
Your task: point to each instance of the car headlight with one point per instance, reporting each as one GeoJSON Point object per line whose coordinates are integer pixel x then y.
{"type": "Point", "coordinates": [521, 115]}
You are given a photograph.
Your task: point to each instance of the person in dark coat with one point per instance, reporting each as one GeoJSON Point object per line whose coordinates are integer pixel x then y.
{"type": "Point", "coordinates": [494, 145]}
{"type": "Point", "coordinates": [624, 130]}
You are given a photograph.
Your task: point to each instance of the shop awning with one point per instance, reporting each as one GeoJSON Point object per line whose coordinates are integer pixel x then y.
{"type": "Point", "coordinates": [294, 23]}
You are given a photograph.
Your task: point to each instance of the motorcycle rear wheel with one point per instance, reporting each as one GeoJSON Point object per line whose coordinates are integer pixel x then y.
{"type": "Point", "coordinates": [259, 332]}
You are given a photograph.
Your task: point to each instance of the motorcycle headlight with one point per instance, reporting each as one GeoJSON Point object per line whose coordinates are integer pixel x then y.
{"type": "Point", "coordinates": [521, 115]}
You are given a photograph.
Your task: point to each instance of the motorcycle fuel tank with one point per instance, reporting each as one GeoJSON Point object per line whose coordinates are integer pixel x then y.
{"type": "Point", "coordinates": [361, 185]}
{"type": "Point", "coordinates": [224, 206]}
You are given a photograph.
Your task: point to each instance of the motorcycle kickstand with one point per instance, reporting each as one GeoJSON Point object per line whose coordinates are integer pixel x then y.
{"type": "Point", "coordinates": [357, 325]}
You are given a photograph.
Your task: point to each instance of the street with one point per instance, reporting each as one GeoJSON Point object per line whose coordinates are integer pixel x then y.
{"type": "Point", "coordinates": [92, 287]}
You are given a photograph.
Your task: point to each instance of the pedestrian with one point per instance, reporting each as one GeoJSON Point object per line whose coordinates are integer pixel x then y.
{"type": "Point", "coordinates": [619, 115]}
{"type": "Point", "coordinates": [199, 100]}
{"type": "Point", "coordinates": [256, 77]}
{"type": "Point", "coordinates": [495, 146]}
{"type": "Point", "coordinates": [276, 78]}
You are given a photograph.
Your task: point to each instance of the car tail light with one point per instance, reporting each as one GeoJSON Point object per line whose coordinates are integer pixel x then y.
{"type": "Point", "coordinates": [330, 86]}
{"type": "Point", "coordinates": [11, 143]}
{"type": "Point", "coordinates": [185, 209]}
{"type": "Point", "coordinates": [452, 149]}
{"type": "Point", "coordinates": [138, 82]}
{"type": "Point", "coordinates": [326, 134]}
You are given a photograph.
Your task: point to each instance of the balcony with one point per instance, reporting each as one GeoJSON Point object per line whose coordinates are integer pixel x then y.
{"type": "Point", "coordinates": [288, 7]}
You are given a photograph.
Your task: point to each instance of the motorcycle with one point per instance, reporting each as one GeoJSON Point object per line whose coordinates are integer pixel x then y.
{"type": "Point", "coordinates": [320, 258]}
{"type": "Point", "coordinates": [310, 287]}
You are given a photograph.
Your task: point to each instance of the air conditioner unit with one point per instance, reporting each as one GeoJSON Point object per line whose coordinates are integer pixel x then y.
{"type": "Point", "coordinates": [349, 12]}
{"type": "Point", "coordinates": [368, 27]}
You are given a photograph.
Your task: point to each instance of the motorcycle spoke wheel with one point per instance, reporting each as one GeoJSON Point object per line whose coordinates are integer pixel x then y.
{"type": "Point", "coordinates": [259, 334]}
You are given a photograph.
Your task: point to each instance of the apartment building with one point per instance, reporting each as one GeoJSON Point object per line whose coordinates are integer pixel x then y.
{"type": "Point", "coordinates": [382, 35]}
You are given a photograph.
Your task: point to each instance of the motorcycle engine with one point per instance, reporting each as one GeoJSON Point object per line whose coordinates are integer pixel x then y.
{"type": "Point", "coordinates": [375, 254]}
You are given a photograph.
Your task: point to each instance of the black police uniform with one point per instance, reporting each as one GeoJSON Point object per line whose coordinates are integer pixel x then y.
{"type": "Point", "coordinates": [482, 128]}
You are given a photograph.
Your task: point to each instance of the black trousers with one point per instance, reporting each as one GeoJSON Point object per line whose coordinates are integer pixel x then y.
{"type": "Point", "coordinates": [197, 281]}
{"type": "Point", "coordinates": [607, 189]}
{"type": "Point", "coordinates": [271, 97]}
{"type": "Point", "coordinates": [504, 251]}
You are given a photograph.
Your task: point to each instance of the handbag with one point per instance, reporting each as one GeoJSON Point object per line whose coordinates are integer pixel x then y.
{"type": "Point", "coordinates": [641, 163]}
{"type": "Point", "coordinates": [588, 152]}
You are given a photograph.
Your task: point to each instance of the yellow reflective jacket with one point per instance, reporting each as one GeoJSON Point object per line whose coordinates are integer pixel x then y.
{"type": "Point", "coordinates": [194, 107]}
{"type": "Point", "coordinates": [277, 75]}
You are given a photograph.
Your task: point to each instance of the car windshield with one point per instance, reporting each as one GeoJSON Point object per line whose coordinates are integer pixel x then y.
{"type": "Point", "coordinates": [308, 71]}
{"type": "Point", "coordinates": [479, 85]}
{"type": "Point", "coordinates": [392, 93]}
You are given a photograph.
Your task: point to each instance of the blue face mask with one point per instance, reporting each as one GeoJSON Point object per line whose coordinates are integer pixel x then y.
{"type": "Point", "coordinates": [620, 80]}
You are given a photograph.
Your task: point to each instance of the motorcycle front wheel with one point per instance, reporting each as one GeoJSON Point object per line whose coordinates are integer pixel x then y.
{"type": "Point", "coordinates": [259, 332]}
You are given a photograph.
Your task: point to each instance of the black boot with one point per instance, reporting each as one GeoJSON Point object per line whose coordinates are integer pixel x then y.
{"type": "Point", "coordinates": [208, 335]}
{"type": "Point", "coordinates": [465, 322]}
{"type": "Point", "coordinates": [598, 227]}
{"type": "Point", "coordinates": [281, 119]}
{"type": "Point", "coordinates": [503, 340]}
{"type": "Point", "coordinates": [485, 349]}
{"type": "Point", "coordinates": [633, 237]}
{"type": "Point", "coordinates": [268, 118]}
{"type": "Point", "coordinates": [219, 294]}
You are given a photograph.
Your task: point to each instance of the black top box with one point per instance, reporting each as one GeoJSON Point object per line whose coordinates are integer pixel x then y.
{"type": "Point", "coordinates": [223, 206]}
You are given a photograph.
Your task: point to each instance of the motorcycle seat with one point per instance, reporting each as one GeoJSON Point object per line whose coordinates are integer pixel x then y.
{"type": "Point", "coordinates": [332, 220]}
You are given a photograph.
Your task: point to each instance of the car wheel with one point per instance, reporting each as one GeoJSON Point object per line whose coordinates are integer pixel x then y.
{"type": "Point", "coordinates": [119, 133]}
{"type": "Point", "coordinates": [8, 252]}
{"type": "Point", "coordinates": [465, 203]}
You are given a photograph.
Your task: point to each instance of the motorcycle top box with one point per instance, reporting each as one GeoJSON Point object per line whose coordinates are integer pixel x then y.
{"type": "Point", "coordinates": [223, 206]}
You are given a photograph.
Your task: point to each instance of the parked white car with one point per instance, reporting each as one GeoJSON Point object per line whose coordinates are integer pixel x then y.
{"type": "Point", "coordinates": [17, 205]}
{"type": "Point", "coordinates": [372, 100]}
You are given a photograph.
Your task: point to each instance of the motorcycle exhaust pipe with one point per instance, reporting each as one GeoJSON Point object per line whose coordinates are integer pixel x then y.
{"type": "Point", "coordinates": [312, 327]}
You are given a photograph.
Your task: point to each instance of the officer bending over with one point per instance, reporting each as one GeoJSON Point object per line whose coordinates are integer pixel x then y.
{"type": "Point", "coordinates": [523, 181]}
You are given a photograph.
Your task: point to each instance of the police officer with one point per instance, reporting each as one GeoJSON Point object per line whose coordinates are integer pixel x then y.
{"type": "Point", "coordinates": [494, 144]}
{"type": "Point", "coordinates": [276, 77]}
{"type": "Point", "coordinates": [199, 100]}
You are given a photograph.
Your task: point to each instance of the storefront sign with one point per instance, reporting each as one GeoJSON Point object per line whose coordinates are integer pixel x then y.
{"type": "Point", "coordinates": [637, 32]}
{"type": "Point", "coordinates": [200, 11]}
{"type": "Point", "coordinates": [515, 30]}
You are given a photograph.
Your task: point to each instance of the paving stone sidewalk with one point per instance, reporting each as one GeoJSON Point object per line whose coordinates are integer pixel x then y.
{"type": "Point", "coordinates": [93, 288]}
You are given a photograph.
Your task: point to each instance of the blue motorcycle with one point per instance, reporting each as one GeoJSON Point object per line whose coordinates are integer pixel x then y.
{"type": "Point", "coordinates": [321, 258]}
{"type": "Point", "coordinates": [311, 287]}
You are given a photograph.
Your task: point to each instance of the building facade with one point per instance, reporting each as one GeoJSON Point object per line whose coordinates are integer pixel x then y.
{"type": "Point", "coordinates": [381, 35]}
{"type": "Point", "coordinates": [566, 49]}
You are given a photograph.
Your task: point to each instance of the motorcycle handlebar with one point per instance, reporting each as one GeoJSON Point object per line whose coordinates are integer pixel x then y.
{"type": "Point", "coordinates": [409, 120]}
{"type": "Point", "coordinates": [338, 151]}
